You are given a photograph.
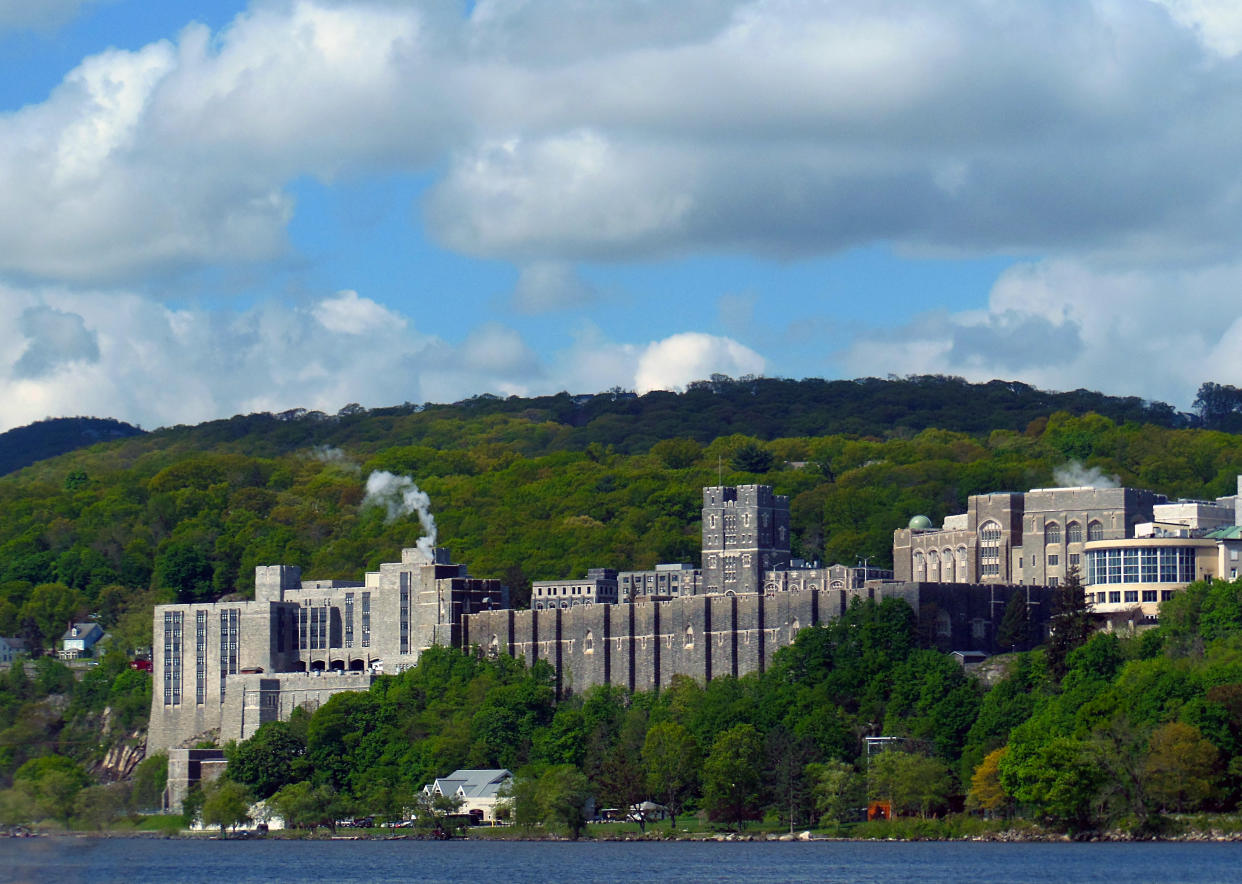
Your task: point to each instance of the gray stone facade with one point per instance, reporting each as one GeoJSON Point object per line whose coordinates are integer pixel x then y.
{"type": "Point", "coordinates": [210, 662]}
{"type": "Point", "coordinates": [1027, 539]}
{"type": "Point", "coordinates": [641, 647]}
{"type": "Point", "coordinates": [745, 534]}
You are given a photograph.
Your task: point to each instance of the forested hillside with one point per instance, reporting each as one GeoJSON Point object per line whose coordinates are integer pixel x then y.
{"type": "Point", "coordinates": [38, 441]}
{"type": "Point", "coordinates": [530, 494]}
{"type": "Point", "coordinates": [113, 529]}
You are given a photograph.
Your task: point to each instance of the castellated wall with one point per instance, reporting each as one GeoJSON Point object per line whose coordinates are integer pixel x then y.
{"type": "Point", "coordinates": [642, 646]}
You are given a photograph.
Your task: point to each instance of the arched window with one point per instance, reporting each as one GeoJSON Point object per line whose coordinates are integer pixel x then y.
{"type": "Point", "coordinates": [989, 549]}
{"type": "Point", "coordinates": [946, 566]}
{"type": "Point", "coordinates": [933, 566]}
{"type": "Point", "coordinates": [793, 629]}
{"type": "Point", "coordinates": [1052, 533]}
{"type": "Point", "coordinates": [588, 643]}
{"type": "Point", "coordinates": [920, 566]}
{"type": "Point", "coordinates": [1095, 531]}
{"type": "Point", "coordinates": [1073, 532]}
{"type": "Point", "coordinates": [689, 636]}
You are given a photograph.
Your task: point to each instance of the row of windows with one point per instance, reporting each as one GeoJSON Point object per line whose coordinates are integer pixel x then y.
{"type": "Point", "coordinates": [1131, 596]}
{"type": "Point", "coordinates": [1155, 564]}
{"type": "Point", "coordinates": [1073, 532]}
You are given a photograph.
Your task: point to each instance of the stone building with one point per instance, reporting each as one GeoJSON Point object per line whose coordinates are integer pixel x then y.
{"type": "Point", "coordinates": [1030, 538]}
{"type": "Point", "coordinates": [745, 534]}
{"type": "Point", "coordinates": [641, 647]}
{"type": "Point", "coordinates": [221, 669]}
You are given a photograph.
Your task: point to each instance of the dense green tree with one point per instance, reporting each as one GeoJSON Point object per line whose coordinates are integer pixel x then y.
{"type": "Point", "coordinates": [50, 609]}
{"type": "Point", "coordinates": [184, 568]}
{"type": "Point", "coordinates": [563, 795]}
{"type": "Point", "coordinates": [149, 779]}
{"type": "Point", "coordinates": [837, 789]}
{"type": "Point", "coordinates": [272, 758]}
{"type": "Point", "coordinates": [305, 806]}
{"type": "Point", "coordinates": [672, 757]}
{"type": "Point", "coordinates": [732, 774]}
{"type": "Point", "coordinates": [225, 804]}
{"type": "Point", "coordinates": [1057, 778]}
{"type": "Point", "coordinates": [54, 782]}
{"type": "Point", "coordinates": [910, 782]}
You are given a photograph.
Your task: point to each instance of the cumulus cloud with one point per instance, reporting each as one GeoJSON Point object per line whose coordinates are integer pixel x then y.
{"type": "Point", "coordinates": [53, 339]}
{"type": "Point", "coordinates": [564, 131]}
{"type": "Point", "coordinates": [672, 363]}
{"type": "Point", "coordinates": [1067, 324]}
{"type": "Point", "coordinates": [349, 314]}
{"type": "Point", "coordinates": [115, 353]}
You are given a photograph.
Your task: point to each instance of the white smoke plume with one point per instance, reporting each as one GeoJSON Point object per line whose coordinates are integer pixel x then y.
{"type": "Point", "coordinates": [401, 497]}
{"type": "Point", "coordinates": [1074, 474]}
{"type": "Point", "coordinates": [335, 457]}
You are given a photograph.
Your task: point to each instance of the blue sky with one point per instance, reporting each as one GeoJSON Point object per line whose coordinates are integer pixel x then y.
{"type": "Point", "coordinates": [213, 208]}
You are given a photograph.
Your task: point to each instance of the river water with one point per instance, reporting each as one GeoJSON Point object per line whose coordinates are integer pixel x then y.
{"type": "Point", "coordinates": [97, 860]}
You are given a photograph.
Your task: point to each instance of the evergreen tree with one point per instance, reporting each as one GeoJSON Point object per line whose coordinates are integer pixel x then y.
{"type": "Point", "coordinates": [1014, 629]}
{"type": "Point", "coordinates": [1070, 623]}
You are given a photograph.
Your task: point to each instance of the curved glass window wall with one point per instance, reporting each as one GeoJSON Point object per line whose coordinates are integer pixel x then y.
{"type": "Point", "coordinates": [1152, 564]}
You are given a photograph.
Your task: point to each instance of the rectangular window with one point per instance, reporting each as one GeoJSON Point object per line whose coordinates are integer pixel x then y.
{"type": "Point", "coordinates": [172, 657]}
{"type": "Point", "coordinates": [228, 645]}
{"type": "Point", "coordinates": [1054, 560]}
{"type": "Point", "coordinates": [1101, 598]}
{"type": "Point", "coordinates": [366, 619]}
{"type": "Point", "coordinates": [200, 657]}
{"type": "Point", "coordinates": [1054, 581]}
{"type": "Point", "coordinates": [1166, 594]}
{"type": "Point", "coordinates": [1114, 596]}
{"type": "Point", "coordinates": [1149, 565]}
{"type": "Point", "coordinates": [730, 569]}
{"type": "Point", "coordinates": [730, 528]}
{"type": "Point", "coordinates": [1075, 559]}
{"type": "Point", "coordinates": [1149, 595]}
{"type": "Point", "coordinates": [1131, 595]}
{"type": "Point", "coordinates": [304, 625]}
{"type": "Point", "coordinates": [349, 619]}
{"type": "Point", "coordinates": [405, 614]}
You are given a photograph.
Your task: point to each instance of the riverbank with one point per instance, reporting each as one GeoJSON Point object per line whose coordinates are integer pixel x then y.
{"type": "Point", "coordinates": [1199, 828]}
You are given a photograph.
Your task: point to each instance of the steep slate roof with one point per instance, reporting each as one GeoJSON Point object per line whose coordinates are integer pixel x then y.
{"type": "Point", "coordinates": [84, 631]}
{"type": "Point", "coordinates": [471, 783]}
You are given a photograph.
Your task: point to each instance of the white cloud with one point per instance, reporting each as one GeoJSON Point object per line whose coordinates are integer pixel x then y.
{"type": "Point", "coordinates": [117, 354]}
{"type": "Point", "coordinates": [1065, 325]}
{"type": "Point", "coordinates": [349, 314]}
{"type": "Point", "coordinates": [563, 131]}
{"type": "Point", "coordinates": [1217, 22]}
{"type": "Point", "coordinates": [672, 363]}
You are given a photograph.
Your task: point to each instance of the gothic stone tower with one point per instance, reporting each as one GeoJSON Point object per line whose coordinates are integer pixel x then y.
{"type": "Point", "coordinates": [745, 532]}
